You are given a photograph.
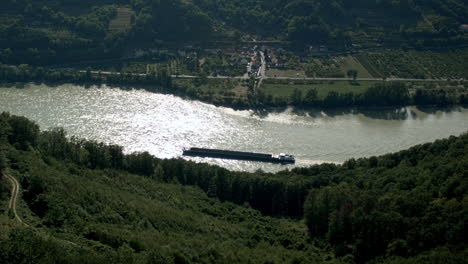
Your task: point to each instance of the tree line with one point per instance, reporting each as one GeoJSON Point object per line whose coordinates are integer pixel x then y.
{"type": "Point", "coordinates": [398, 204]}
{"type": "Point", "coordinates": [160, 80]}
{"type": "Point", "coordinates": [380, 94]}
{"type": "Point", "coordinates": [24, 73]}
{"type": "Point", "coordinates": [217, 182]}
{"type": "Point", "coordinates": [401, 204]}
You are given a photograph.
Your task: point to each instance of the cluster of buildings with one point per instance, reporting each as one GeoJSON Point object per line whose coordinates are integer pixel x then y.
{"type": "Point", "coordinates": [162, 52]}
{"type": "Point", "coordinates": [248, 56]}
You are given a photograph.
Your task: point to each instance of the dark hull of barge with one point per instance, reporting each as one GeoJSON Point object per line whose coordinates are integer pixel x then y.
{"type": "Point", "coordinates": [235, 155]}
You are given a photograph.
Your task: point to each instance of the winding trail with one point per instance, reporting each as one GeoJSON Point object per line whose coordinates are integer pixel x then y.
{"type": "Point", "coordinates": [14, 198]}
{"type": "Point", "coordinates": [12, 206]}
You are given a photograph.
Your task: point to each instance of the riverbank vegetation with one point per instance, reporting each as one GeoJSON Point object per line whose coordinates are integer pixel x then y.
{"type": "Point", "coordinates": [88, 200]}
{"type": "Point", "coordinates": [329, 94]}
{"type": "Point", "coordinates": [227, 92]}
{"type": "Point", "coordinates": [243, 94]}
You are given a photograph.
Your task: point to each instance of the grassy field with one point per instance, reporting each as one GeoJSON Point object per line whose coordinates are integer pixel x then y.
{"type": "Point", "coordinates": [350, 63]}
{"type": "Point", "coordinates": [335, 67]}
{"type": "Point", "coordinates": [323, 87]}
{"type": "Point", "coordinates": [123, 20]}
{"type": "Point", "coordinates": [365, 62]}
{"type": "Point", "coordinates": [286, 73]}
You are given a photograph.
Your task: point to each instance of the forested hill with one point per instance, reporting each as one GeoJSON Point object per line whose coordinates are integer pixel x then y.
{"type": "Point", "coordinates": [398, 204]}
{"type": "Point", "coordinates": [309, 21]}
{"type": "Point", "coordinates": [54, 31]}
{"type": "Point", "coordinates": [406, 207]}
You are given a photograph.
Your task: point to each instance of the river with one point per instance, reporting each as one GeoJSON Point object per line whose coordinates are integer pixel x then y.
{"type": "Point", "coordinates": [164, 124]}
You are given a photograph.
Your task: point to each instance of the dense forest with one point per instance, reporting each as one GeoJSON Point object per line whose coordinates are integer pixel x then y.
{"type": "Point", "coordinates": [88, 202]}
{"type": "Point", "coordinates": [405, 207]}
{"type": "Point", "coordinates": [56, 31]}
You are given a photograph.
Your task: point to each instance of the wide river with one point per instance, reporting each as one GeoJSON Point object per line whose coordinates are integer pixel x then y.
{"type": "Point", "coordinates": [164, 124]}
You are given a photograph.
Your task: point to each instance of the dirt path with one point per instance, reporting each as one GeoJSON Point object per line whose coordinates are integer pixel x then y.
{"type": "Point", "coordinates": [14, 198]}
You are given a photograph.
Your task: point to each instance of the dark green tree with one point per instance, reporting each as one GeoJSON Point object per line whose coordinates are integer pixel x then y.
{"type": "Point", "coordinates": [297, 97]}
{"type": "Point", "coordinates": [3, 161]}
{"type": "Point", "coordinates": [311, 98]}
{"type": "Point", "coordinates": [352, 74]}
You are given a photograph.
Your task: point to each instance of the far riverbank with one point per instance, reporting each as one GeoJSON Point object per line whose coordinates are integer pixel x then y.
{"type": "Point", "coordinates": [273, 93]}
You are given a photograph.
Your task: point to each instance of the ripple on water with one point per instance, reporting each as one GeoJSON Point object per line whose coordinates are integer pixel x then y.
{"type": "Point", "coordinates": [164, 124]}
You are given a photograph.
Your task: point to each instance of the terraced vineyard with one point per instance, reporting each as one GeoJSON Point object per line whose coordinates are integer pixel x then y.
{"type": "Point", "coordinates": [123, 20]}
{"type": "Point", "coordinates": [416, 64]}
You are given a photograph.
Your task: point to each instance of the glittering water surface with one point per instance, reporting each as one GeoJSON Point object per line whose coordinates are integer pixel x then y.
{"type": "Point", "coordinates": [163, 125]}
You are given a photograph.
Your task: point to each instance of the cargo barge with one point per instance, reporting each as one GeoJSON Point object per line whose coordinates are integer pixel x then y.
{"type": "Point", "coordinates": [238, 155]}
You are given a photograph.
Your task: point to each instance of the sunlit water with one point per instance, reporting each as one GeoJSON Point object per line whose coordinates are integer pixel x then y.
{"type": "Point", "coordinates": [163, 125]}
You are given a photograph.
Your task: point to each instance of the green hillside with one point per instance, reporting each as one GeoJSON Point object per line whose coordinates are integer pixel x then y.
{"type": "Point", "coordinates": [342, 20]}
{"type": "Point", "coordinates": [58, 31]}
{"type": "Point", "coordinates": [88, 202]}
{"type": "Point", "coordinates": [82, 215]}
{"type": "Point", "coordinates": [113, 214]}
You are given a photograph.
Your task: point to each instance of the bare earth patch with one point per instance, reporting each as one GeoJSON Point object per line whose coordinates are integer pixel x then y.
{"type": "Point", "coordinates": [240, 90]}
